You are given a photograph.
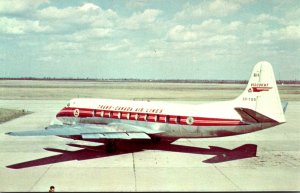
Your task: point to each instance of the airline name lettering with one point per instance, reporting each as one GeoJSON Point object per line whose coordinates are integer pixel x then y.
{"type": "Point", "coordinates": [120, 108]}
{"type": "Point", "coordinates": [260, 84]}
{"type": "Point", "coordinates": [259, 87]}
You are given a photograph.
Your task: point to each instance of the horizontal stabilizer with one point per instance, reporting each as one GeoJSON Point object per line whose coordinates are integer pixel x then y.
{"type": "Point", "coordinates": [252, 116]}
{"type": "Point", "coordinates": [284, 105]}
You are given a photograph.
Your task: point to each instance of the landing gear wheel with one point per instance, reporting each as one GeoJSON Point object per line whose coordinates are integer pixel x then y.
{"type": "Point", "coordinates": [110, 147]}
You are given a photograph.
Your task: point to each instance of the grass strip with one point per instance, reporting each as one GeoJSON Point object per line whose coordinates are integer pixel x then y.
{"type": "Point", "coordinates": [9, 114]}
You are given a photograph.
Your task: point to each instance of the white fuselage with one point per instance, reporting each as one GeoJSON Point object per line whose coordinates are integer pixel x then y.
{"type": "Point", "coordinates": [216, 119]}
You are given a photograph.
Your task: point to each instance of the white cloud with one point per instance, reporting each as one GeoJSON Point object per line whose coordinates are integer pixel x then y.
{"type": "Point", "coordinates": [90, 34]}
{"type": "Point", "coordinates": [89, 7]}
{"type": "Point", "coordinates": [136, 3]}
{"type": "Point", "coordinates": [222, 39]}
{"type": "Point", "coordinates": [19, 6]}
{"type": "Point", "coordinates": [265, 18]}
{"type": "Point", "coordinates": [111, 47]}
{"type": "Point", "coordinates": [181, 33]}
{"type": "Point", "coordinates": [62, 47]}
{"type": "Point", "coordinates": [209, 41]}
{"type": "Point", "coordinates": [259, 42]}
{"type": "Point", "coordinates": [288, 11]}
{"type": "Point", "coordinates": [216, 8]}
{"type": "Point", "coordinates": [292, 17]}
{"type": "Point", "coordinates": [209, 25]}
{"type": "Point", "coordinates": [217, 25]}
{"type": "Point", "coordinates": [69, 12]}
{"type": "Point", "coordinates": [234, 25]}
{"type": "Point", "coordinates": [104, 46]}
{"type": "Point", "coordinates": [223, 8]}
{"type": "Point", "coordinates": [45, 58]}
{"type": "Point", "coordinates": [14, 26]}
{"type": "Point", "coordinates": [211, 30]}
{"type": "Point", "coordinates": [140, 19]}
{"type": "Point", "coordinates": [200, 34]}
{"type": "Point", "coordinates": [86, 14]}
{"type": "Point", "coordinates": [291, 32]}
{"type": "Point", "coordinates": [53, 12]}
{"type": "Point", "coordinates": [151, 54]}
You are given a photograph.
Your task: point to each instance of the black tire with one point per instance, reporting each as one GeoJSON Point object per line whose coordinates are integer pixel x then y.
{"type": "Point", "coordinates": [110, 146]}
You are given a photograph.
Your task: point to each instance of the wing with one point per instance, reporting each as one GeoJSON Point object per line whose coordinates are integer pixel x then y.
{"type": "Point", "coordinates": [89, 131]}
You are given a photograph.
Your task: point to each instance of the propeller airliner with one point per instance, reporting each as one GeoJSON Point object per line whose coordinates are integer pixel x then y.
{"type": "Point", "coordinates": [258, 107]}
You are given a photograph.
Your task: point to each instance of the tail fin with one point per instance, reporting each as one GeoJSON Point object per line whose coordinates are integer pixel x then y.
{"type": "Point", "coordinates": [261, 94]}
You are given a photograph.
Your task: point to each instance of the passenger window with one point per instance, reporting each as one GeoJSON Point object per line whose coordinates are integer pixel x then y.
{"type": "Point", "coordinates": [128, 116]}
{"type": "Point", "coordinates": [155, 118]}
{"type": "Point", "coordinates": [167, 118]}
{"type": "Point", "coordinates": [178, 119]}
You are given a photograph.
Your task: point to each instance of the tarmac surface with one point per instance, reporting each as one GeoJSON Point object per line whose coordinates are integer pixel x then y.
{"type": "Point", "coordinates": [35, 163]}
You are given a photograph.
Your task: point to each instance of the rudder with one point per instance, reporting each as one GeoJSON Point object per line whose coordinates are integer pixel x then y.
{"type": "Point", "coordinates": [261, 93]}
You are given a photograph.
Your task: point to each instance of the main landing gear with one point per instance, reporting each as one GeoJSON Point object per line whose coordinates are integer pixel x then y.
{"type": "Point", "coordinates": [111, 145]}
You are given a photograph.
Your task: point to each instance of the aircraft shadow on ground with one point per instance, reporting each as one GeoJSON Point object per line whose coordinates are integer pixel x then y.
{"type": "Point", "coordinates": [124, 147]}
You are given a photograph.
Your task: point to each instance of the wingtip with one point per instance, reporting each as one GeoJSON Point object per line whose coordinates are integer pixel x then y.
{"type": "Point", "coordinates": [12, 133]}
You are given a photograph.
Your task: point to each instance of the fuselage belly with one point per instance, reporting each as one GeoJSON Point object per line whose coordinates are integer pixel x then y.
{"type": "Point", "coordinates": [173, 130]}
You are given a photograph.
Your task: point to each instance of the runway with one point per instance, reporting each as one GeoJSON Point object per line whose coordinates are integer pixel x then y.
{"type": "Point", "coordinates": [68, 168]}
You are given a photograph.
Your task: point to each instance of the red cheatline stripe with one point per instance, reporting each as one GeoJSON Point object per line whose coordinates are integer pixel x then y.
{"type": "Point", "coordinates": [171, 119]}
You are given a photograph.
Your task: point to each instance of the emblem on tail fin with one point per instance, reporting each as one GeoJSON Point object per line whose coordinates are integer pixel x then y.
{"type": "Point", "coordinates": [259, 87]}
{"type": "Point", "coordinates": [261, 94]}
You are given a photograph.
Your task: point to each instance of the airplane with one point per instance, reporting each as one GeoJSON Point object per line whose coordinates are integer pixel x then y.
{"type": "Point", "coordinates": [109, 120]}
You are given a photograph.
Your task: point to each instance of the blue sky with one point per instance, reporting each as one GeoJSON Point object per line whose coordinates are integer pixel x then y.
{"type": "Point", "coordinates": [158, 39]}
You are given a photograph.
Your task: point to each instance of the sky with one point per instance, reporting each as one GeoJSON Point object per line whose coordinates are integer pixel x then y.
{"type": "Point", "coordinates": [149, 39]}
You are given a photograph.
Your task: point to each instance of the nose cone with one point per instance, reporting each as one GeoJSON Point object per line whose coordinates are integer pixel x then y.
{"type": "Point", "coordinates": [61, 113]}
